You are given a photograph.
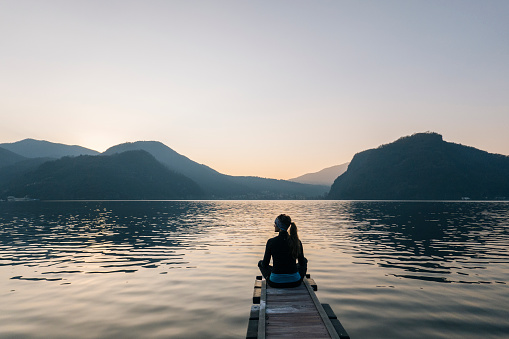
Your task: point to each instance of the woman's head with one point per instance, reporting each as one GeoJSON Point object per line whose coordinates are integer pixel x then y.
{"type": "Point", "coordinates": [283, 222]}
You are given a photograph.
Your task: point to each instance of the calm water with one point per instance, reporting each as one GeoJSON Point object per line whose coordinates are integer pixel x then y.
{"type": "Point", "coordinates": [180, 269]}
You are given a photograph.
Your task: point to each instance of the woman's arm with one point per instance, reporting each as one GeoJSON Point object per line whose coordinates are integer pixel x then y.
{"type": "Point", "coordinates": [268, 254]}
{"type": "Point", "coordinates": [303, 262]}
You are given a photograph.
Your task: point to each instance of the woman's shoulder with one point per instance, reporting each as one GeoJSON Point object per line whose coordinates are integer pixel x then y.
{"type": "Point", "coordinates": [273, 240]}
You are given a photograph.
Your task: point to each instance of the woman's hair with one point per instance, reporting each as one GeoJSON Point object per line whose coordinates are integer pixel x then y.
{"type": "Point", "coordinates": [293, 239]}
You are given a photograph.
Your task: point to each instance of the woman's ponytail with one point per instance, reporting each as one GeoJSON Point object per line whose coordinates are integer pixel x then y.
{"type": "Point", "coordinates": [293, 238]}
{"type": "Point", "coordinates": [293, 241]}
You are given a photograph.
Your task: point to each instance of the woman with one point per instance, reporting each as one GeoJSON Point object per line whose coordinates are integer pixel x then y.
{"type": "Point", "coordinates": [284, 249]}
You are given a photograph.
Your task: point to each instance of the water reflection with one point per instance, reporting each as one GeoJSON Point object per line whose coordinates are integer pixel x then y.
{"type": "Point", "coordinates": [120, 238]}
{"type": "Point", "coordinates": [184, 269]}
{"type": "Point", "coordinates": [435, 241]}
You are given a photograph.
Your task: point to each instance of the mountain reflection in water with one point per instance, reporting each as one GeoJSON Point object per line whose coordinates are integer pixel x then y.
{"type": "Point", "coordinates": [433, 240]}
{"type": "Point", "coordinates": [121, 238]}
{"type": "Point", "coordinates": [185, 269]}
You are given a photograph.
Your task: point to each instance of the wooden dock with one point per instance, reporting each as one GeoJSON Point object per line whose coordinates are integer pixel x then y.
{"type": "Point", "coordinates": [291, 313]}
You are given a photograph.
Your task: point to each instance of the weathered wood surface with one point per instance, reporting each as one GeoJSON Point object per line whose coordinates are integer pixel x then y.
{"type": "Point", "coordinates": [252, 327]}
{"type": "Point", "coordinates": [340, 330]}
{"type": "Point", "coordinates": [292, 313]}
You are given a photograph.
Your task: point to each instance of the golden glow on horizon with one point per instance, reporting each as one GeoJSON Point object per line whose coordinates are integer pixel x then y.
{"type": "Point", "coordinates": [312, 86]}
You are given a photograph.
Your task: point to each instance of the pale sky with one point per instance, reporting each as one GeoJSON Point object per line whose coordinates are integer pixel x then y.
{"type": "Point", "coordinates": [267, 88]}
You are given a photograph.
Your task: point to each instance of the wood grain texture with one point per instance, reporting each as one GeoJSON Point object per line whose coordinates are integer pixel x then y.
{"type": "Point", "coordinates": [291, 313]}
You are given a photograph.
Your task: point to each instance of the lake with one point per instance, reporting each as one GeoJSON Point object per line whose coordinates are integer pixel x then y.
{"type": "Point", "coordinates": [186, 269]}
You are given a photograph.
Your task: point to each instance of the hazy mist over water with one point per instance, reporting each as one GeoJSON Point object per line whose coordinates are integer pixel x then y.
{"type": "Point", "coordinates": [185, 269]}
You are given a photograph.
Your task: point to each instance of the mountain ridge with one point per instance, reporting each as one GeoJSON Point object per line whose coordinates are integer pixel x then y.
{"type": "Point", "coordinates": [8, 158]}
{"type": "Point", "coordinates": [32, 148]}
{"type": "Point", "coordinates": [420, 166]}
{"type": "Point", "coordinates": [127, 175]}
{"type": "Point", "coordinates": [219, 185]}
{"type": "Point", "coordinates": [423, 166]}
{"type": "Point", "coordinates": [214, 185]}
{"type": "Point", "coordinates": [325, 176]}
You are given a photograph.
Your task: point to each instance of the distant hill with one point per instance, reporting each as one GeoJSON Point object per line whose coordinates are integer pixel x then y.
{"type": "Point", "coordinates": [324, 177]}
{"type": "Point", "coordinates": [218, 185]}
{"type": "Point", "coordinates": [129, 175]}
{"type": "Point", "coordinates": [423, 166]}
{"type": "Point", "coordinates": [8, 158]}
{"type": "Point", "coordinates": [31, 148]}
{"type": "Point", "coordinates": [8, 173]}
{"type": "Point", "coordinates": [205, 176]}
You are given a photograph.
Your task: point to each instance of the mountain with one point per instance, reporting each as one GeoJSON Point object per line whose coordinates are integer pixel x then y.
{"type": "Point", "coordinates": [9, 173]}
{"type": "Point", "coordinates": [8, 158]}
{"type": "Point", "coordinates": [31, 148]}
{"type": "Point", "coordinates": [129, 175]}
{"type": "Point", "coordinates": [423, 166]}
{"type": "Point", "coordinates": [205, 176]}
{"type": "Point", "coordinates": [218, 185]}
{"type": "Point", "coordinates": [324, 177]}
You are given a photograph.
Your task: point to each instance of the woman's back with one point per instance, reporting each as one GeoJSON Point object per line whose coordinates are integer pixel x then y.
{"type": "Point", "coordinates": [282, 258]}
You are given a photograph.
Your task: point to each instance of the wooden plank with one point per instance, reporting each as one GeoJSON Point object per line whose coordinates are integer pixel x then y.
{"type": "Point", "coordinates": [312, 283]}
{"type": "Point", "coordinates": [258, 283]}
{"type": "Point", "coordinates": [293, 309]}
{"type": "Point", "coordinates": [309, 320]}
{"type": "Point", "coordinates": [332, 331]}
{"type": "Point", "coordinates": [282, 297]}
{"type": "Point", "coordinates": [280, 294]}
{"type": "Point", "coordinates": [340, 329]}
{"type": "Point", "coordinates": [255, 312]}
{"type": "Point", "coordinates": [287, 291]}
{"type": "Point", "coordinates": [329, 311]}
{"type": "Point", "coordinates": [291, 313]}
{"type": "Point", "coordinates": [262, 316]}
{"type": "Point", "coordinates": [252, 329]}
{"type": "Point", "coordinates": [335, 322]}
{"type": "Point", "coordinates": [252, 326]}
{"type": "Point", "coordinates": [257, 290]}
{"type": "Point", "coordinates": [315, 332]}
{"type": "Point", "coordinates": [308, 331]}
{"type": "Point", "coordinates": [296, 296]}
{"type": "Point", "coordinates": [257, 294]}
{"type": "Point", "coordinates": [290, 300]}
{"type": "Point", "coordinates": [281, 326]}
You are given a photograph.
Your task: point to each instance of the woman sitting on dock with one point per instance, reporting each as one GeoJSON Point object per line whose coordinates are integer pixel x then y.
{"type": "Point", "coordinates": [284, 249]}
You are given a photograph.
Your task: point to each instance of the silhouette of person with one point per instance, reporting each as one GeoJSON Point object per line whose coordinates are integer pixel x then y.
{"type": "Point", "coordinates": [284, 249]}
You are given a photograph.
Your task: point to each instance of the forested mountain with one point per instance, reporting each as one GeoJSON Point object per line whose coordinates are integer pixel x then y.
{"type": "Point", "coordinates": [17, 170]}
{"type": "Point", "coordinates": [324, 177]}
{"type": "Point", "coordinates": [421, 166]}
{"type": "Point", "coordinates": [206, 177]}
{"type": "Point", "coordinates": [424, 166]}
{"type": "Point", "coordinates": [9, 173]}
{"type": "Point", "coordinates": [31, 148]}
{"type": "Point", "coordinates": [129, 175]}
{"type": "Point", "coordinates": [13, 165]}
{"type": "Point", "coordinates": [218, 185]}
{"type": "Point", "coordinates": [8, 158]}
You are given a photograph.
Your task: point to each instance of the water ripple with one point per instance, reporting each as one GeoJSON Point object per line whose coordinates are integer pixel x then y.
{"type": "Point", "coordinates": [167, 269]}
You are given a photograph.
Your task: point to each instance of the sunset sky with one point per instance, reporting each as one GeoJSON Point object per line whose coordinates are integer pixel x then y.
{"type": "Point", "coordinates": [267, 88]}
